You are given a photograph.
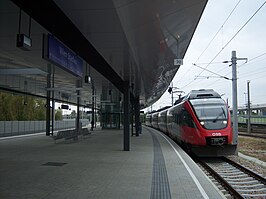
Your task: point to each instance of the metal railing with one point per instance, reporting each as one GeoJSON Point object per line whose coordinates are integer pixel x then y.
{"type": "Point", "coordinates": [12, 128]}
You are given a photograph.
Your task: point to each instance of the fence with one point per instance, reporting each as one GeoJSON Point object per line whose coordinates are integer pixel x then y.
{"type": "Point", "coordinates": [254, 119]}
{"type": "Point", "coordinates": [11, 128]}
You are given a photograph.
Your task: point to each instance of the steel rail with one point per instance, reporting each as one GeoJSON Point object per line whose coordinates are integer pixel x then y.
{"type": "Point", "coordinates": [245, 170]}
{"type": "Point", "coordinates": [237, 178]}
{"type": "Point", "coordinates": [220, 179]}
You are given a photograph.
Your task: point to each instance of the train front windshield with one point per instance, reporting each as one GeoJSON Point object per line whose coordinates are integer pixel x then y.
{"type": "Point", "coordinates": [211, 112]}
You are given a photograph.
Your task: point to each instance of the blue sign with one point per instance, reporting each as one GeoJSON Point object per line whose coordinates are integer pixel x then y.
{"type": "Point", "coordinates": [64, 57]}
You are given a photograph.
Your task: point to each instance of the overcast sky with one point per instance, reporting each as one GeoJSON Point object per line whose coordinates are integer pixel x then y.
{"type": "Point", "coordinates": [249, 41]}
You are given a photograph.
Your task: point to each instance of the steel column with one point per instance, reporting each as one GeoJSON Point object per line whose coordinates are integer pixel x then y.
{"type": "Point", "coordinates": [249, 111]}
{"type": "Point", "coordinates": [126, 116]}
{"type": "Point", "coordinates": [137, 115]}
{"type": "Point", "coordinates": [48, 98]}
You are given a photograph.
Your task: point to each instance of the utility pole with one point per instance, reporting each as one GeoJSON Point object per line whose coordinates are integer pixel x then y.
{"type": "Point", "coordinates": [249, 126]}
{"type": "Point", "coordinates": [234, 94]}
{"type": "Point", "coordinates": [171, 91]}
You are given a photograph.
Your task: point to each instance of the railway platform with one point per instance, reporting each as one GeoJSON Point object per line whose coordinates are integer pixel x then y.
{"type": "Point", "coordinates": [97, 167]}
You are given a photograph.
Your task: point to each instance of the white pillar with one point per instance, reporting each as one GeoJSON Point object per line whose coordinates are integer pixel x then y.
{"type": "Point", "coordinates": [234, 93]}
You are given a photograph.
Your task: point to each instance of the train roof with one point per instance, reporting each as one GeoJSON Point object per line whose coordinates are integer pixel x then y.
{"type": "Point", "coordinates": [164, 108]}
{"type": "Point", "coordinates": [202, 93]}
{"type": "Point", "coordinates": [159, 110]}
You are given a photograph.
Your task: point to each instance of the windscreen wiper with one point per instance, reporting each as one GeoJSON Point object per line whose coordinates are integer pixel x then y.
{"type": "Point", "coordinates": [222, 113]}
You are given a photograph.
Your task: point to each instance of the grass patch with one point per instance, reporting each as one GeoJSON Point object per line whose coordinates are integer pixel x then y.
{"type": "Point", "coordinates": [254, 147]}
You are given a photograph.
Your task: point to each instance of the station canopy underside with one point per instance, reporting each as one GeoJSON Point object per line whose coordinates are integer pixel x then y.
{"type": "Point", "coordinates": [117, 41]}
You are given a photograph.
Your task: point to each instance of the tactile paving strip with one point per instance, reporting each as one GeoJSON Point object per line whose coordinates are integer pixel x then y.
{"type": "Point", "coordinates": [160, 188]}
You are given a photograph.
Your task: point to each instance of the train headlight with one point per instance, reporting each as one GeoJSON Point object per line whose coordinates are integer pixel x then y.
{"type": "Point", "coordinates": [224, 122]}
{"type": "Point", "coordinates": [202, 123]}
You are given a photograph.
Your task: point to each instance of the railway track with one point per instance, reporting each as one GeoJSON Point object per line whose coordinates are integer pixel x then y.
{"type": "Point", "coordinates": [254, 135]}
{"type": "Point", "coordinates": [234, 180]}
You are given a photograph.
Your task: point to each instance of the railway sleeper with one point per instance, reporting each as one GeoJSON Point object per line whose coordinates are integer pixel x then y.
{"type": "Point", "coordinates": [242, 183]}
{"type": "Point", "coordinates": [236, 176]}
{"type": "Point", "coordinates": [254, 195]}
{"type": "Point", "coordinates": [237, 179]}
{"type": "Point", "coordinates": [229, 169]}
{"type": "Point", "coordinates": [223, 191]}
{"type": "Point", "coordinates": [218, 185]}
{"type": "Point", "coordinates": [228, 195]}
{"type": "Point", "coordinates": [226, 167]}
{"type": "Point", "coordinates": [251, 190]}
{"type": "Point", "coordinates": [231, 173]}
{"type": "Point", "coordinates": [249, 186]}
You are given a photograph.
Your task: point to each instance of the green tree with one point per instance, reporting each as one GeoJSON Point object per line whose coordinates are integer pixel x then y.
{"type": "Point", "coordinates": [6, 107]}
{"type": "Point", "coordinates": [73, 114]}
{"type": "Point", "coordinates": [18, 107]}
{"type": "Point", "coordinates": [58, 114]}
{"type": "Point", "coordinates": [40, 109]}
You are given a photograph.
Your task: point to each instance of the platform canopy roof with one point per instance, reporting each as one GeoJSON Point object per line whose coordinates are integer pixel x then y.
{"type": "Point", "coordinates": [118, 41]}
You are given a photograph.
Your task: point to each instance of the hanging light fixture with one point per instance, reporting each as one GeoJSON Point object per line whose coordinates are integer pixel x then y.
{"type": "Point", "coordinates": [87, 77]}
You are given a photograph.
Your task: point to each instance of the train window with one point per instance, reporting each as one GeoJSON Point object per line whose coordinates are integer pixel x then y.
{"type": "Point", "coordinates": [176, 118]}
{"type": "Point", "coordinates": [170, 118]}
{"type": "Point", "coordinates": [212, 113]}
{"type": "Point", "coordinates": [186, 119]}
{"type": "Point", "coordinates": [210, 109]}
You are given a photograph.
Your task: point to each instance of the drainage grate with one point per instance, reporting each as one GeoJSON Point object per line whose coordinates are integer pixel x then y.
{"type": "Point", "coordinates": [56, 164]}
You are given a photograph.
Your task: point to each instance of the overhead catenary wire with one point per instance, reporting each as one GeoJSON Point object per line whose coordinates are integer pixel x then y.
{"type": "Point", "coordinates": [234, 35]}
{"type": "Point", "coordinates": [218, 75]}
{"type": "Point", "coordinates": [249, 74]}
{"type": "Point", "coordinates": [252, 60]}
{"type": "Point", "coordinates": [218, 31]}
{"type": "Point", "coordinates": [247, 63]}
{"type": "Point", "coordinates": [212, 41]}
{"type": "Point", "coordinates": [227, 43]}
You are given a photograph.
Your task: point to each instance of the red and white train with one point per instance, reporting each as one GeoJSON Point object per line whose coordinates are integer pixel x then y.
{"type": "Point", "coordinates": [200, 122]}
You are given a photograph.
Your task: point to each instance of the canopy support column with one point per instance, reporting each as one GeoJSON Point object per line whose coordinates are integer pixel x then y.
{"type": "Point", "coordinates": [126, 116]}
{"type": "Point", "coordinates": [137, 116]}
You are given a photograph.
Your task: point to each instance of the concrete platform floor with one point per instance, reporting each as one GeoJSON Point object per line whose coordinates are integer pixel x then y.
{"type": "Point", "coordinates": [97, 167]}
